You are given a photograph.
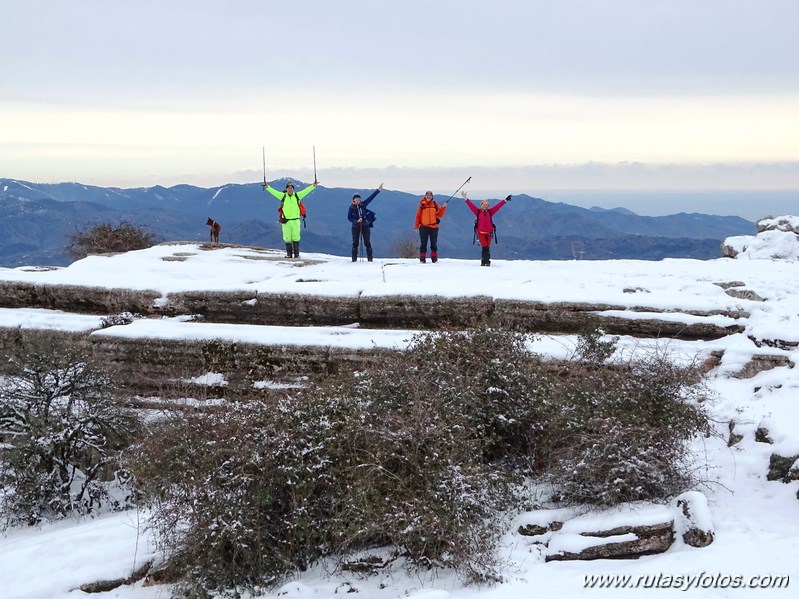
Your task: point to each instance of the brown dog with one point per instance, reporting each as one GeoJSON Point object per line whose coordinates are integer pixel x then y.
{"type": "Point", "coordinates": [215, 229]}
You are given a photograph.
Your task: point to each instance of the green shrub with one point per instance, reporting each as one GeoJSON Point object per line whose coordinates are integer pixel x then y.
{"type": "Point", "coordinates": [625, 430]}
{"type": "Point", "coordinates": [417, 455]}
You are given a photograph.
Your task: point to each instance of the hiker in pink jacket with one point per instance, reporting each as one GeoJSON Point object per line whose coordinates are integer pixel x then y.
{"type": "Point", "coordinates": [484, 228]}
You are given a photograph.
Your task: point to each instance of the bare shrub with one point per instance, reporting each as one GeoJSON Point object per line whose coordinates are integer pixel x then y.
{"type": "Point", "coordinates": [105, 238]}
{"type": "Point", "coordinates": [62, 430]}
{"type": "Point", "coordinates": [406, 247]}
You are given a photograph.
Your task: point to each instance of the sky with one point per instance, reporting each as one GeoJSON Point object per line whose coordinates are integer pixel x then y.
{"type": "Point", "coordinates": [524, 96]}
{"type": "Point", "coordinates": [753, 519]}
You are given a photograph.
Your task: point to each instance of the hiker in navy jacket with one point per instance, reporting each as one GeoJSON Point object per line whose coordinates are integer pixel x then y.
{"type": "Point", "coordinates": [362, 220]}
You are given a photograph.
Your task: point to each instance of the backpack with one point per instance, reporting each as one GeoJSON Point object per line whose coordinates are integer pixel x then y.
{"type": "Point", "coordinates": [493, 226]}
{"type": "Point", "coordinates": [284, 220]}
{"type": "Point", "coordinates": [430, 206]}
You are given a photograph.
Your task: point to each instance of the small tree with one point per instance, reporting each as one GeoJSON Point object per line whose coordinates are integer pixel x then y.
{"type": "Point", "coordinates": [61, 430]}
{"type": "Point", "coordinates": [105, 238]}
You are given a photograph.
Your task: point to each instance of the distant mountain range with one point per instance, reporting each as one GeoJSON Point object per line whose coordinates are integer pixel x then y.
{"type": "Point", "coordinates": [36, 221]}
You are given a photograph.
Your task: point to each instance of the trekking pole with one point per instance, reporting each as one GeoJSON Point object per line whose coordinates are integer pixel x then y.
{"type": "Point", "coordinates": [314, 164]}
{"type": "Point", "coordinates": [263, 150]}
{"type": "Point", "coordinates": [457, 190]}
{"type": "Point", "coordinates": [360, 235]}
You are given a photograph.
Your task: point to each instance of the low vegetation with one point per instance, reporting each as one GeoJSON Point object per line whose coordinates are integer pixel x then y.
{"type": "Point", "coordinates": [107, 238]}
{"type": "Point", "coordinates": [412, 461]}
{"type": "Point", "coordinates": [406, 247]}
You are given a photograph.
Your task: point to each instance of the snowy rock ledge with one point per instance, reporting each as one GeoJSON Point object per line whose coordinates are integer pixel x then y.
{"type": "Point", "coordinates": [626, 532]}
{"type": "Point", "coordinates": [776, 239]}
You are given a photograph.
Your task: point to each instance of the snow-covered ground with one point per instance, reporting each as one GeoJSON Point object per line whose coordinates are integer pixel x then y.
{"type": "Point", "coordinates": [756, 521]}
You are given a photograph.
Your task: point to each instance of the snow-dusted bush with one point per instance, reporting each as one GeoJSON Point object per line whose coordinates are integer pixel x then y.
{"type": "Point", "coordinates": [622, 431]}
{"type": "Point", "coordinates": [415, 457]}
{"type": "Point", "coordinates": [391, 459]}
{"type": "Point", "coordinates": [61, 431]}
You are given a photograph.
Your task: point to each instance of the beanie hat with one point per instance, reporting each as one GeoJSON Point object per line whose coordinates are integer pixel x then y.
{"type": "Point", "coordinates": [357, 195]}
{"type": "Point", "coordinates": [289, 184]}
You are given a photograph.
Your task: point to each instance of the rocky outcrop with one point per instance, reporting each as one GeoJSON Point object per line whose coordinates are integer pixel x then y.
{"type": "Point", "coordinates": [776, 239]}
{"type": "Point", "coordinates": [734, 438]}
{"type": "Point", "coordinates": [77, 298]}
{"type": "Point", "coordinates": [248, 307]}
{"type": "Point", "coordinates": [780, 223]}
{"type": "Point", "coordinates": [621, 542]}
{"type": "Point", "coordinates": [625, 532]}
{"type": "Point", "coordinates": [783, 468]}
{"type": "Point", "coordinates": [697, 526]}
{"type": "Point", "coordinates": [161, 366]}
{"type": "Point", "coordinates": [762, 362]}
{"type": "Point", "coordinates": [732, 288]}
{"type": "Point", "coordinates": [103, 586]}
{"type": "Point", "coordinates": [563, 317]}
{"type": "Point", "coordinates": [149, 365]}
{"type": "Point", "coordinates": [762, 434]}
{"type": "Point", "coordinates": [401, 311]}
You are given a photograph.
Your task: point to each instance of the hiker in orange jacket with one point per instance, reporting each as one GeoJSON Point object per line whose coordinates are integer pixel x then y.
{"type": "Point", "coordinates": [428, 215]}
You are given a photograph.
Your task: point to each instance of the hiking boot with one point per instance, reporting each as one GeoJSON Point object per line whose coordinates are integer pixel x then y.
{"type": "Point", "coordinates": [289, 249]}
{"type": "Point", "coordinates": [422, 259]}
{"type": "Point", "coordinates": [296, 249]}
{"type": "Point", "coordinates": [433, 259]}
{"type": "Point", "coordinates": [369, 259]}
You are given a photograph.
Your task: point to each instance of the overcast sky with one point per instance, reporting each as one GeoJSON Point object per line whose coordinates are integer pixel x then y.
{"type": "Point", "coordinates": [523, 94]}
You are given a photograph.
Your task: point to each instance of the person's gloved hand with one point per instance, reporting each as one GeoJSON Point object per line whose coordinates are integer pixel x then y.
{"type": "Point", "coordinates": [509, 198]}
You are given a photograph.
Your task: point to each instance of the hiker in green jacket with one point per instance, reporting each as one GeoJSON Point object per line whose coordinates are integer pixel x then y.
{"type": "Point", "coordinates": [290, 214]}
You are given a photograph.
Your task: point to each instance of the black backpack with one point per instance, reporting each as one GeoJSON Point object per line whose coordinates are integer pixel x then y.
{"type": "Point", "coordinates": [303, 212]}
{"type": "Point", "coordinates": [493, 226]}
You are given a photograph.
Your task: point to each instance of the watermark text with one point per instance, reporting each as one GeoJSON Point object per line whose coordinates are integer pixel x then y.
{"type": "Point", "coordinates": [685, 582]}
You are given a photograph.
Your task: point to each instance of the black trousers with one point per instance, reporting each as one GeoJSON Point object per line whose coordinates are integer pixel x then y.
{"type": "Point", "coordinates": [357, 232]}
{"type": "Point", "coordinates": [425, 234]}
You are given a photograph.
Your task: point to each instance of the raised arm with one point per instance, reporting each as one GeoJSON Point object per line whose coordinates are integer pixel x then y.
{"type": "Point", "coordinates": [499, 205]}
{"type": "Point", "coordinates": [274, 192]}
{"type": "Point", "coordinates": [373, 195]}
{"type": "Point", "coordinates": [306, 191]}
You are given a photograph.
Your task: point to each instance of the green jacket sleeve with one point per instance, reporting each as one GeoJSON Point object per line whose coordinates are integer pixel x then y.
{"type": "Point", "coordinates": [305, 192]}
{"type": "Point", "coordinates": [275, 192]}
